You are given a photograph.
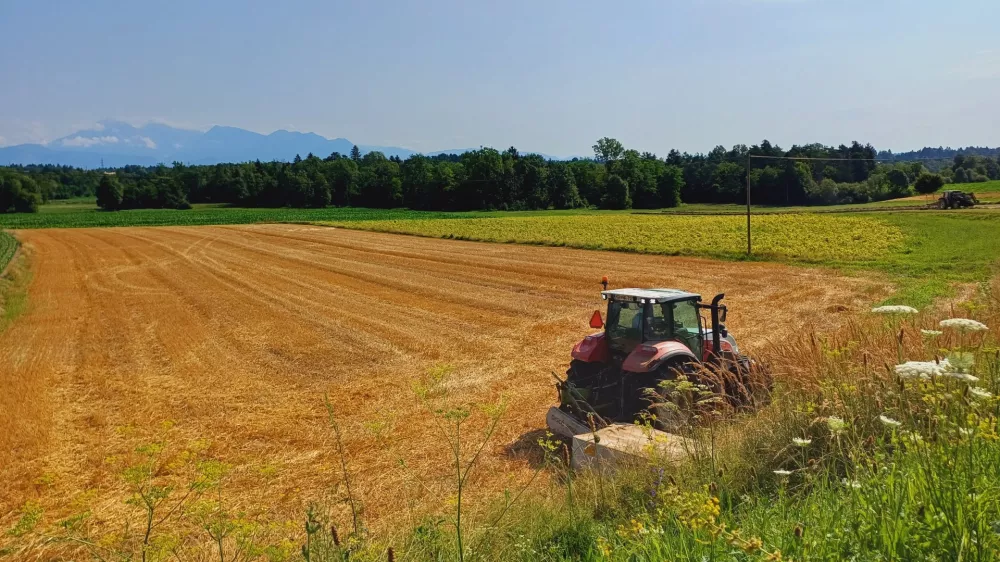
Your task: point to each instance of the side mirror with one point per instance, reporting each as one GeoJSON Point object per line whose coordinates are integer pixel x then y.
{"type": "Point", "coordinates": [596, 322]}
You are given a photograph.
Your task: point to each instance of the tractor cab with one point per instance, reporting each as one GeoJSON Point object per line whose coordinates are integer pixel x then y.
{"type": "Point", "coordinates": [648, 316]}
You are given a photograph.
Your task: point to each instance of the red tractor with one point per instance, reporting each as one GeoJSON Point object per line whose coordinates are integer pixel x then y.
{"type": "Point", "coordinates": [650, 336]}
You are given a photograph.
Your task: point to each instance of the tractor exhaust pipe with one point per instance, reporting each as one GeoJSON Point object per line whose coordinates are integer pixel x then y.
{"type": "Point", "coordinates": [716, 330]}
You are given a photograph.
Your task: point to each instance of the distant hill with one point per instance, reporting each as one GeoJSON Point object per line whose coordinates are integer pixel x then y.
{"type": "Point", "coordinates": [120, 144]}
{"type": "Point", "coordinates": [117, 144]}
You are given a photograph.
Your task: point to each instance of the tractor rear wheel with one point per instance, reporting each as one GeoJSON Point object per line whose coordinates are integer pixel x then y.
{"type": "Point", "coordinates": [670, 409]}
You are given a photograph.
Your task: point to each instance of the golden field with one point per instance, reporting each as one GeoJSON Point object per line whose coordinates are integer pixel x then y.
{"type": "Point", "coordinates": [224, 341]}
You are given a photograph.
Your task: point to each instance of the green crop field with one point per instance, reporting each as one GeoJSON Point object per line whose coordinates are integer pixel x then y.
{"type": "Point", "coordinates": [801, 237]}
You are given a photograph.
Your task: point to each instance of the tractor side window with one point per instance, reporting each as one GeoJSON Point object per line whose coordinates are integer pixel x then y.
{"type": "Point", "coordinates": [625, 321]}
{"type": "Point", "coordinates": [685, 317]}
{"type": "Point", "coordinates": [686, 325]}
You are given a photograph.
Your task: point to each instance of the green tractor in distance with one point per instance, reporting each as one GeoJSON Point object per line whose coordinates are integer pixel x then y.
{"type": "Point", "coordinates": [651, 336]}
{"type": "Point", "coordinates": [954, 199]}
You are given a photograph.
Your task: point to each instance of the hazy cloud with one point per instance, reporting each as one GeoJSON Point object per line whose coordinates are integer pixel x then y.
{"type": "Point", "coordinates": [86, 142]}
{"type": "Point", "coordinates": [148, 142]}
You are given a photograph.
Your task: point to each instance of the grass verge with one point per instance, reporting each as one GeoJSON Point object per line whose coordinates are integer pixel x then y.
{"type": "Point", "coordinates": [14, 281]}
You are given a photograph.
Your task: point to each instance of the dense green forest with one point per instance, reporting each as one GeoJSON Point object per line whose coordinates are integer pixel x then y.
{"type": "Point", "coordinates": [488, 179]}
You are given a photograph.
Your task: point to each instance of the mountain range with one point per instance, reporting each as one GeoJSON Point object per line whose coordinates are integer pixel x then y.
{"type": "Point", "coordinates": [115, 143]}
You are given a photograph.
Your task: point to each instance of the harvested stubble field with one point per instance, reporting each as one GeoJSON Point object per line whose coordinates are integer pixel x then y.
{"type": "Point", "coordinates": [232, 335]}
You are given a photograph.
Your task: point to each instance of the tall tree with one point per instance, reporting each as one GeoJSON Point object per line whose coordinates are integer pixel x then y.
{"type": "Point", "coordinates": [109, 193]}
{"type": "Point", "coordinates": [608, 150]}
{"type": "Point", "coordinates": [355, 153]}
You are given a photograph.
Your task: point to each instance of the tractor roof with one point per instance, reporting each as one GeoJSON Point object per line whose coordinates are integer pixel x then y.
{"type": "Point", "coordinates": [658, 295]}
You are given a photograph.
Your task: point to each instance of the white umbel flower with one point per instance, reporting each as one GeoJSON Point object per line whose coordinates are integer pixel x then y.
{"type": "Point", "coordinates": [781, 472]}
{"type": "Point", "coordinates": [920, 369]}
{"type": "Point", "coordinates": [851, 483]}
{"type": "Point", "coordinates": [964, 377]}
{"type": "Point", "coordinates": [895, 309]}
{"type": "Point", "coordinates": [889, 421]}
{"type": "Point", "coordinates": [980, 393]}
{"type": "Point", "coordinates": [836, 424]}
{"type": "Point", "coordinates": [964, 324]}
{"type": "Point", "coordinates": [799, 442]}
{"type": "Point", "coordinates": [931, 333]}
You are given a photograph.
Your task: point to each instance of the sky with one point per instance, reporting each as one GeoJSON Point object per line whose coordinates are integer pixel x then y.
{"type": "Point", "coordinates": [541, 75]}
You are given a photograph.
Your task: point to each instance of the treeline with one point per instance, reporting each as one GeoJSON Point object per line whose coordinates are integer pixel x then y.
{"type": "Point", "coordinates": [971, 169]}
{"type": "Point", "coordinates": [488, 179]}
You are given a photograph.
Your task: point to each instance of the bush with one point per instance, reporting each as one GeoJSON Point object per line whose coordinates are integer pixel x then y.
{"type": "Point", "coordinates": [929, 183]}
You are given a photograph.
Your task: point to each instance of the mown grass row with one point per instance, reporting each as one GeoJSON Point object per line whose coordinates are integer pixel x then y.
{"type": "Point", "coordinates": [8, 246]}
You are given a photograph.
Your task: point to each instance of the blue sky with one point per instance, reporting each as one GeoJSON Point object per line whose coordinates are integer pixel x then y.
{"type": "Point", "coordinates": [543, 75]}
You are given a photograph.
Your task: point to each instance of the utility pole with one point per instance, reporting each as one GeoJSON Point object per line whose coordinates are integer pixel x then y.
{"type": "Point", "coordinates": [749, 246]}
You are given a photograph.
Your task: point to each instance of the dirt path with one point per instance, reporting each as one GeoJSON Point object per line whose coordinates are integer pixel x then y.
{"type": "Point", "coordinates": [234, 334]}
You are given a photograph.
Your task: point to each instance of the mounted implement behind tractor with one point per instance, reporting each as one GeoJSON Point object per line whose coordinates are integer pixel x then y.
{"type": "Point", "coordinates": [954, 199]}
{"type": "Point", "coordinates": [651, 336]}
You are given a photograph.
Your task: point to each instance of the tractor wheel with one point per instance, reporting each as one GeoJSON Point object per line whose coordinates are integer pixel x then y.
{"type": "Point", "coordinates": [582, 376]}
{"type": "Point", "coordinates": [672, 412]}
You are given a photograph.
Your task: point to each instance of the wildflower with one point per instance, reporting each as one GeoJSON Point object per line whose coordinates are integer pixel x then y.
{"type": "Point", "coordinates": [959, 362]}
{"type": "Point", "coordinates": [965, 431]}
{"type": "Point", "coordinates": [913, 437]}
{"type": "Point", "coordinates": [604, 547]}
{"type": "Point", "coordinates": [889, 421]}
{"type": "Point", "coordinates": [799, 442]}
{"type": "Point", "coordinates": [965, 377]}
{"type": "Point", "coordinates": [783, 473]}
{"type": "Point", "coordinates": [980, 393]}
{"type": "Point", "coordinates": [894, 309]}
{"type": "Point", "coordinates": [964, 324]}
{"type": "Point", "coordinates": [931, 333]}
{"type": "Point", "coordinates": [920, 369]}
{"type": "Point", "coordinates": [836, 424]}
{"type": "Point", "coordinates": [851, 483]}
